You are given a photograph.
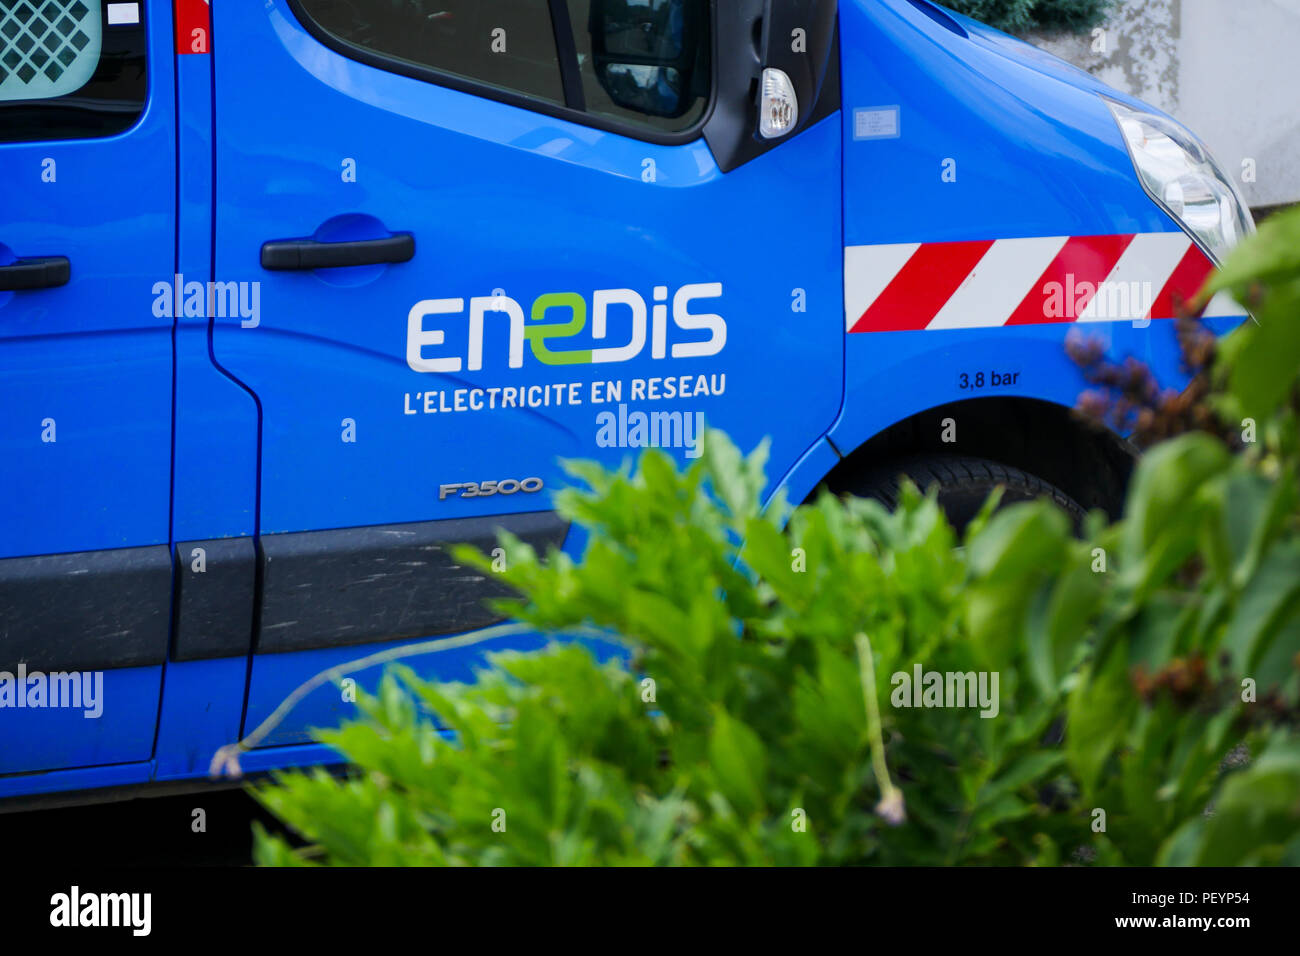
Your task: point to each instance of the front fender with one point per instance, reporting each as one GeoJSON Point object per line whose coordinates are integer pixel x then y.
{"type": "Point", "coordinates": [990, 206]}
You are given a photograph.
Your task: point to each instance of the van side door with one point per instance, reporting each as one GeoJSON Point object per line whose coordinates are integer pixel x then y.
{"type": "Point", "coordinates": [87, 232]}
{"type": "Point", "coordinates": [489, 236]}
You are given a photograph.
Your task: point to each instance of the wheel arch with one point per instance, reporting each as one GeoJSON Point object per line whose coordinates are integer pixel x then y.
{"type": "Point", "coordinates": [1090, 463]}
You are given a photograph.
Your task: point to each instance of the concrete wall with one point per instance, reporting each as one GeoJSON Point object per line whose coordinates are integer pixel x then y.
{"type": "Point", "coordinates": [1229, 69]}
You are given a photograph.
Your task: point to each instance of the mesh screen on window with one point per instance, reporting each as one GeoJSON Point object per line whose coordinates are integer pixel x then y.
{"type": "Point", "coordinates": [48, 48]}
{"type": "Point", "coordinates": [71, 69]}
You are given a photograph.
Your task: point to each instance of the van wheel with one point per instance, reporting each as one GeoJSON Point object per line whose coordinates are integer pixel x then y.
{"type": "Point", "coordinates": [964, 484]}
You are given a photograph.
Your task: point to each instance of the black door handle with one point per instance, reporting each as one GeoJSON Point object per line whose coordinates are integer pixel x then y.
{"type": "Point", "coordinates": [285, 254]}
{"type": "Point", "coordinates": [45, 272]}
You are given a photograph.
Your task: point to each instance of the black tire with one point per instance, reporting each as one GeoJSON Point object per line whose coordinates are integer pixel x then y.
{"type": "Point", "coordinates": [964, 484]}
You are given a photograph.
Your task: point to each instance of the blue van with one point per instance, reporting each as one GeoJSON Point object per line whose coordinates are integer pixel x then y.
{"type": "Point", "coordinates": [297, 294]}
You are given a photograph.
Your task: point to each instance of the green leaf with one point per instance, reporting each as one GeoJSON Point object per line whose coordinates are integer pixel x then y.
{"type": "Point", "coordinates": [1023, 538]}
{"type": "Point", "coordinates": [1096, 717]}
{"type": "Point", "coordinates": [1065, 611]}
{"type": "Point", "coordinates": [1268, 601]}
{"type": "Point", "coordinates": [1255, 817]}
{"type": "Point", "coordinates": [1031, 768]}
{"type": "Point", "coordinates": [1164, 486]}
{"type": "Point", "coordinates": [738, 763]}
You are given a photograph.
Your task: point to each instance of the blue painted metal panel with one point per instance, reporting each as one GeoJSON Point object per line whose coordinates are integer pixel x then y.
{"type": "Point", "coordinates": [89, 365]}
{"type": "Point", "coordinates": [276, 676]}
{"type": "Point", "coordinates": [800, 481]}
{"type": "Point", "coordinates": [216, 438]}
{"type": "Point", "coordinates": [77, 778]}
{"type": "Point", "coordinates": [91, 355]}
{"type": "Point", "coordinates": [498, 198]}
{"type": "Point", "coordinates": [1036, 151]}
{"type": "Point", "coordinates": [113, 722]}
{"type": "Point", "coordinates": [202, 703]}
{"type": "Point", "coordinates": [1033, 151]}
{"type": "Point", "coordinates": [215, 489]}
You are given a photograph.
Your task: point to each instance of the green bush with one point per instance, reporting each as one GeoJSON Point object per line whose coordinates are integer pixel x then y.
{"type": "Point", "coordinates": [1145, 709]}
{"type": "Point", "coordinates": [1016, 16]}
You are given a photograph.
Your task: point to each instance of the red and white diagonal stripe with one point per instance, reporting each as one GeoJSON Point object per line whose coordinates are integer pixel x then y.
{"type": "Point", "coordinates": [984, 283]}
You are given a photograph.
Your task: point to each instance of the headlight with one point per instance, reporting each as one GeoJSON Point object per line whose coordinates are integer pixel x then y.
{"type": "Point", "coordinates": [1179, 174]}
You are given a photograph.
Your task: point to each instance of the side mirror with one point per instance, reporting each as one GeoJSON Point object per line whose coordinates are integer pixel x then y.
{"type": "Point", "coordinates": [797, 39]}
{"type": "Point", "coordinates": [645, 53]}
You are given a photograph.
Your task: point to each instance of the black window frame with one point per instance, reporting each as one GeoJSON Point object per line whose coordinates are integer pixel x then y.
{"type": "Point", "coordinates": [570, 78]}
{"type": "Point", "coordinates": [90, 112]}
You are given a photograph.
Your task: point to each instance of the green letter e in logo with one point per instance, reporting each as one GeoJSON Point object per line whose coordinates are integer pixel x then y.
{"type": "Point", "coordinates": [538, 334]}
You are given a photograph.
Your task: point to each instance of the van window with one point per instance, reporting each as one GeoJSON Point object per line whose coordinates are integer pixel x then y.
{"type": "Point", "coordinates": [507, 44]}
{"type": "Point", "coordinates": [643, 62]}
{"type": "Point", "coordinates": [70, 68]}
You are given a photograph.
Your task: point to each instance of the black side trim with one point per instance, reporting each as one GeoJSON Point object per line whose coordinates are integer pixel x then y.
{"type": "Point", "coordinates": [732, 128]}
{"type": "Point", "coordinates": [214, 598]}
{"type": "Point", "coordinates": [384, 582]}
{"type": "Point", "coordinates": [567, 49]}
{"type": "Point", "coordinates": [87, 611]}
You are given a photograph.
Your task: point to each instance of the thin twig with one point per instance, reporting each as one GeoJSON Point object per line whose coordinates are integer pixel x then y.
{"type": "Point", "coordinates": [226, 759]}
{"type": "Point", "coordinates": [891, 806]}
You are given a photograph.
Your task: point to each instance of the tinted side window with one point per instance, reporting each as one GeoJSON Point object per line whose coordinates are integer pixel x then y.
{"type": "Point", "coordinates": [644, 61]}
{"type": "Point", "coordinates": [70, 68]}
{"type": "Point", "coordinates": [507, 44]}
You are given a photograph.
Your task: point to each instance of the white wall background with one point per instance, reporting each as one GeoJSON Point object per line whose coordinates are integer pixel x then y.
{"type": "Point", "coordinates": [1229, 69]}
